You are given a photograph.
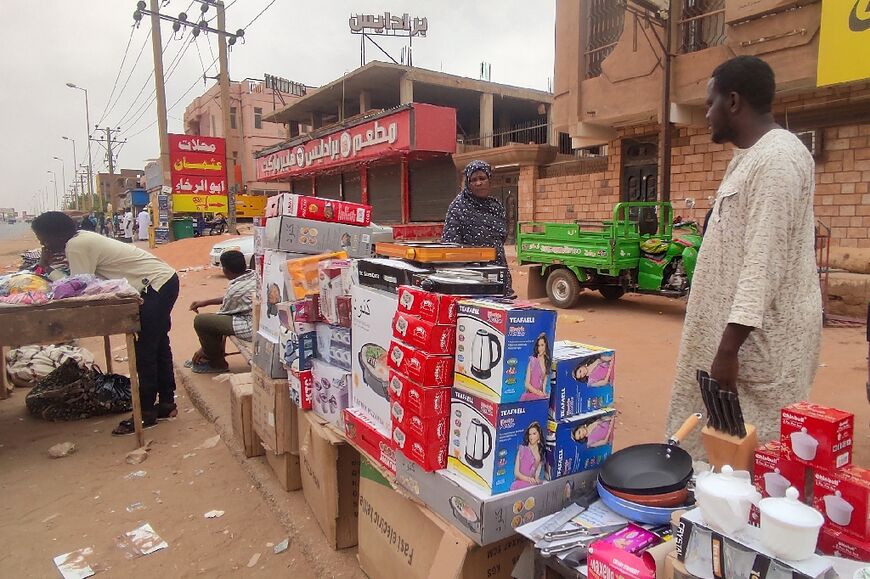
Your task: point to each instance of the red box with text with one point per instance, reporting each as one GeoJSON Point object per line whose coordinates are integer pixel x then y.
{"type": "Point", "coordinates": [429, 306]}
{"type": "Point", "coordinates": [817, 435]}
{"type": "Point", "coordinates": [429, 337]}
{"type": "Point", "coordinates": [423, 401]}
{"type": "Point", "coordinates": [425, 369]}
{"type": "Point", "coordinates": [843, 497]}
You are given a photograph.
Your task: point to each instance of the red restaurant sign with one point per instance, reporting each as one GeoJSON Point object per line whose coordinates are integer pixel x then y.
{"type": "Point", "coordinates": [419, 127]}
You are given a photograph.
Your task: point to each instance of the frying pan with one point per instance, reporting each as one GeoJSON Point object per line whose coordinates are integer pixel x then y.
{"type": "Point", "coordinates": [672, 499]}
{"type": "Point", "coordinates": [635, 512]}
{"type": "Point", "coordinates": [651, 469]}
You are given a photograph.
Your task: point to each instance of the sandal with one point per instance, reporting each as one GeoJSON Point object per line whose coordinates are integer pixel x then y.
{"type": "Point", "coordinates": [166, 411]}
{"type": "Point", "coordinates": [208, 369]}
{"type": "Point", "coordinates": [188, 363]}
{"type": "Point", "coordinates": [125, 427]}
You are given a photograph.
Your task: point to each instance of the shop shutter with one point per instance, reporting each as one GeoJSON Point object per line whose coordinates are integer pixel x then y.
{"type": "Point", "coordinates": [385, 193]}
{"type": "Point", "coordinates": [433, 185]}
{"type": "Point", "coordinates": [329, 186]}
{"type": "Point", "coordinates": [352, 187]}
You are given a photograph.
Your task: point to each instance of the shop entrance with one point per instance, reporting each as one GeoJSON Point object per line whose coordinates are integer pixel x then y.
{"type": "Point", "coordinates": [505, 188]}
{"type": "Point", "coordinates": [640, 172]}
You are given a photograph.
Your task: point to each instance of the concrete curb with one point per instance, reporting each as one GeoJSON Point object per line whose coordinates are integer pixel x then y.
{"type": "Point", "coordinates": [287, 507]}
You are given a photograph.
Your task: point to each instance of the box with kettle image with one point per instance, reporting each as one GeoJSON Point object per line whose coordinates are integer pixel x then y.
{"type": "Point", "coordinates": [842, 496]}
{"type": "Point", "coordinates": [816, 435]}
{"type": "Point", "coordinates": [482, 517]}
{"type": "Point", "coordinates": [371, 333]}
{"type": "Point", "coordinates": [490, 442]}
{"type": "Point", "coordinates": [504, 350]}
{"type": "Point", "coordinates": [582, 379]}
{"type": "Point", "coordinates": [579, 443]}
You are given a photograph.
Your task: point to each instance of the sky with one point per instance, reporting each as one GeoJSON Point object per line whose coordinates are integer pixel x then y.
{"type": "Point", "coordinates": [49, 43]}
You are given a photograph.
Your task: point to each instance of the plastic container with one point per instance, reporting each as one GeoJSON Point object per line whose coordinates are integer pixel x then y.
{"type": "Point", "coordinates": [726, 499]}
{"type": "Point", "coordinates": [182, 228]}
{"type": "Point", "coordinates": [804, 445]}
{"type": "Point", "coordinates": [838, 509]}
{"type": "Point", "coordinates": [789, 528]}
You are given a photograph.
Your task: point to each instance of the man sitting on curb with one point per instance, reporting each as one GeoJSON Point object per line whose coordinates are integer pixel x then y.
{"type": "Point", "coordinates": [235, 317]}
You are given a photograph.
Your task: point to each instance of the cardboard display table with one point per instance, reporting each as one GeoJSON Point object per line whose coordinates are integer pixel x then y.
{"type": "Point", "coordinates": [62, 321]}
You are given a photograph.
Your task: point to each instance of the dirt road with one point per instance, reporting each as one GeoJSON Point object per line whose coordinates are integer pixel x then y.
{"type": "Point", "coordinates": [52, 507]}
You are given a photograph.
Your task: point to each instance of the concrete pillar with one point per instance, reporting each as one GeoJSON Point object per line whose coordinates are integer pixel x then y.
{"type": "Point", "coordinates": [365, 101]}
{"type": "Point", "coordinates": [316, 121]}
{"type": "Point", "coordinates": [526, 192]}
{"type": "Point", "coordinates": [406, 90]}
{"type": "Point", "coordinates": [486, 119]}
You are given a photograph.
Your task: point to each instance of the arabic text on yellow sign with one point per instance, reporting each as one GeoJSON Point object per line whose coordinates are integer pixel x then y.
{"type": "Point", "coordinates": [199, 204]}
{"type": "Point", "coordinates": [845, 42]}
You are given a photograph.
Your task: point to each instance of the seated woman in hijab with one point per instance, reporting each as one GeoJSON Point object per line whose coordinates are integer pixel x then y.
{"type": "Point", "coordinates": [474, 219]}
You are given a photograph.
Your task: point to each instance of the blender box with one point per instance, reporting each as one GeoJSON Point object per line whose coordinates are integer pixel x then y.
{"type": "Point", "coordinates": [582, 379]}
{"type": "Point", "coordinates": [817, 435]}
{"type": "Point", "coordinates": [370, 342]}
{"type": "Point", "coordinates": [579, 443]}
{"type": "Point", "coordinates": [773, 474]}
{"type": "Point", "coordinates": [495, 350]}
{"type": "Point", "coordinates": [334, 276]}
{"type": "Point", "coordinates": [298, 340]}
{"type": "Point", "coordinates": [314, 237]}
{"type": "Point", "coordinates": [430, 429]}
{"type": "Point", "coordinates": [428, 337]}
{"type": "Point", "coordinates": [330, 391]}
{"type": "Point", "coordinates": [839, 544]}
{"type": "Point", "coordinates": [482, 517]}
{"type": "Point", "coordinates": [425, 369]}
{"type": "Point", "coordinates": [843, 497]}
{"type": "Point", "coordinates": [364, 434]}
{"type": "Point", "coordinates": [301, 384]}
{"type": "Point", "coordinates": [320, 209]}
{"type": "Point", "coordinates": [422, 401]}
{"type": "Point", "coordinates": [489, 440]}
{"type": "Point", "coordinates": [333, 345]}
{"type": "Point", "coordinates": [429, 306]}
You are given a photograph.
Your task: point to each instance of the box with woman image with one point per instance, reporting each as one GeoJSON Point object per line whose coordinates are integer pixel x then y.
{"type": "Point", "coordinates": [582, 378]}
{"type": "Point", "coordinates": [497, 446]}
{"type": "Point", "coordinates": [579, 443]}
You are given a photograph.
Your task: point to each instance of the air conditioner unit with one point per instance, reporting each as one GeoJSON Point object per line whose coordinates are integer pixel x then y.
{"type": "Point", "coordinates": [812, 139]}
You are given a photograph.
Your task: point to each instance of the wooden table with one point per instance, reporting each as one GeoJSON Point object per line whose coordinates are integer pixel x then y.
{"type": "Point", "coordinates": [66, 320]}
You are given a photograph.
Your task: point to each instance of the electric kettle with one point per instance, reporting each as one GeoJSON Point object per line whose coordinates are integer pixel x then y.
{"type": "Point", "coordinates": [483, 356]}
{"type": "Point", "coordinates": [478, 443]}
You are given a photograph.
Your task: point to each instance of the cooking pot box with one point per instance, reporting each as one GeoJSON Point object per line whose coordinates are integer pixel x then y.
{"type": "Point", "coordinates": [843, 496]}
{"type": "Point", "coordinates": [499, 344]}
{"type": "Point", "coordinates": [486, 437]}
{"type": "Point", "coordinates": [817, 435]}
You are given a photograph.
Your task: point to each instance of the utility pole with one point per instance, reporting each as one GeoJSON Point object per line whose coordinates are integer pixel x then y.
{"type": "Point", "coordinates": [159, 84]}
{"type": "Point", "coordinates": [108, 141]}
{"type": "Point", "coordinates": [225, 110]}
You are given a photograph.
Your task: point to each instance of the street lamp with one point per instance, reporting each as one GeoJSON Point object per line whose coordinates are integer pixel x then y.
{"type": "Point", "coordinates": [75, 168]}
{"type": "Point", "coordinates": [88, 134]}
{"type": "Point", "coordinates": [54, 180]}
{"type": "Point", "coordinates": [62, 172]}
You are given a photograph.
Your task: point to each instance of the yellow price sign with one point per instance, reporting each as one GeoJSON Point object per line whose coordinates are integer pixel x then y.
{"type": "Point", "coordinates": [199, 204]}
{"type": "Point", "coordinates": [844, 46]}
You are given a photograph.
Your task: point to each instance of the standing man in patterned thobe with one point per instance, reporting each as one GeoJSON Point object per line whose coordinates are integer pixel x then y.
{"type": "Point", "coordinates": [754, 315]}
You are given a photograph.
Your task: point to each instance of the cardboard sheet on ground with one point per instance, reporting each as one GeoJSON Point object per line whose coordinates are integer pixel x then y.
{"type": "Point", "coordinates": [140, 541]}
{"type": "Point", "coordinates": [74, 565]}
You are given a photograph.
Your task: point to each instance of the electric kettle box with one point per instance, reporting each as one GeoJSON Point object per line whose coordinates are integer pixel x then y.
{"type": "Point", "coordinates": [331, 385]}
{"type": "Point", "coordinates": [842, 496]}
{"type": "Point", "coordinates": [839, 544]}
{"type": "Point", "coordinates": [371, 334]}
{"type": "Point", "coordinates": [582, 379]}
{"type": "Point", "coordinates": [495, 349]}
{"type": "Point", "coordinates": [817, 435]}
{"type": "Point", "coordinates": [772, 474]}
{"type": "Point", "coordinates": [579, 443]}
{"type": "Point", "coordinates": [429, 306]}
{"type": "Point", "coordinates": [439, 339]}
{"type": "Point", "coordinates": [486, 436]}
{"type": "Point", "coordinates": [482, 517]}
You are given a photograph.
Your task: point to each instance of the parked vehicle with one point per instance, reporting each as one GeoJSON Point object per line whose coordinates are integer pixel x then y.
{"type": "Point", "coordinates": [613, 257]}
{"type": "Point", "coordinates": [243, 243]}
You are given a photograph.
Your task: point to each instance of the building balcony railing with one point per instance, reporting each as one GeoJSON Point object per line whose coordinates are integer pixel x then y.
{"type": "Point", "coordinates": [702, 25]}
{"type": "Point", "coordinates": [532, 132]}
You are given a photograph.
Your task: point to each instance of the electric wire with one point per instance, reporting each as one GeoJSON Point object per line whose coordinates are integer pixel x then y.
{"type": "Point", "coordinates": [118, 76]}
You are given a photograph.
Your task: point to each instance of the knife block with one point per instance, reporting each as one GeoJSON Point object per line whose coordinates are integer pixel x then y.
{"type": "Point", "coordinates": [723, 448]}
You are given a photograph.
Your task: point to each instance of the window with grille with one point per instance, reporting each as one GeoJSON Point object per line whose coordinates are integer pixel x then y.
{"type": "Point", "coordinates": [258, 118]}
{"type": "Point", "coordinates": [702, 25]}
{"type": "Point", "coordinates": [232, 117]}
{"type": "Point", "coordinates": [604, 26]}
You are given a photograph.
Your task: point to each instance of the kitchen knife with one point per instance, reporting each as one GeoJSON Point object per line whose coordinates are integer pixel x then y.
{"type": "Point", "coordinates": [725, 397]}
{"type": "Point", "coordinates": [738, 417]}
{"type": "Point", "coordinates": [705, 394]}
{"type": "Point", "coordinates": [716, 404]}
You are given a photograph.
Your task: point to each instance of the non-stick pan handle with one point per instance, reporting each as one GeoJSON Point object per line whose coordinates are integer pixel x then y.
{"type": "Point", "coordinates": [688, 426]}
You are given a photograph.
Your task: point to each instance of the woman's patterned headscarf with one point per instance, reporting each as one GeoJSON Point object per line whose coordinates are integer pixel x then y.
{"type": "Point", "coordinates": [473, 168]}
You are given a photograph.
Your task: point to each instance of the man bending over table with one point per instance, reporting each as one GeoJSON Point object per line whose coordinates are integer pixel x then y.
{"type": "Point", "coordinates": [89, 252]}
